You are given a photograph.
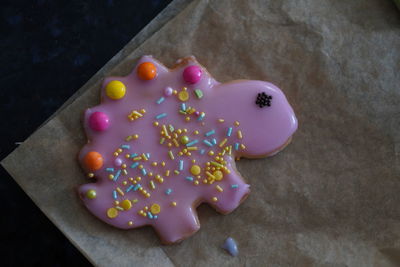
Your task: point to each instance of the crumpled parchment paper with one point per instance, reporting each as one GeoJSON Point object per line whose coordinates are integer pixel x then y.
{"type": "Point", "coordinates": [331, 198]}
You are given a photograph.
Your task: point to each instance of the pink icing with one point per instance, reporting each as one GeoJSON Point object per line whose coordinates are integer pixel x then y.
{"type": "Point", "coordinates": [99, 121]}
{"type": "Point", "coordinates": [264, 130]}
{"type": "Point", "coordinates": [192, 74]}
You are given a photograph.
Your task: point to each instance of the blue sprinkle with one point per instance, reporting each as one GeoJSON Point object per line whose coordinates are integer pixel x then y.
{"type": "Point", "coordinates": [144, 172]}
{"type": "Point", "coordinates": [236, 146]}
{"type": "Point", "coordinates": [171, 128]}
{"type": "Point", "coordinates": [168, 191]}
{"type": "Point", "coordinates": [231, 246]}
{"type": "Point", "coordinates": [189, 178]}
{"type": "Point", "coordinates": [202, 151]}
{"type": "Point", "coordinates": [148, 155]}
{"type": "Point", "coordinates": [214, 141]}
{"type": "Point", "coordinates": [229, 132]}
{"type": "Point", "coordinates": [150, 215]}
{"type": "Point", "coordinates": [115, 194]}
{"type": "Point", "coordinates": [117, 175]}
{"type": "Point", "coordinates": [159, 101]}
{"type": "Point", "coordinates": [207, 143]}
{"type": "Point", "coordinates": [192, 142]}
{"type": "Point", "coordinates": [137, 187]}
{"type": "Point", "coordinates": [134, 155]}
{"type": "Point", "coordinates": [234, 186]}
{"type": "Point", "coordinates": [110, 169]}
{"type": "Point", "coordinates": [160, 116]}
{"type": "Point", "coordinates": [125, 146]}
{"type": "Point", "coordinates": [201, 117]}
{"type": "Point", "coordinates": [134, 165]}
{"type": "Point", "coordinates": [130, 188]}
{"type": "Point", "coordinates": [210, 133]}
{"type": "Point", "coordinates": [155, 217]}
{"type": "Point", "coordinates": [181, 165]}
{"type": "Point", "coordinates": [183, 106]}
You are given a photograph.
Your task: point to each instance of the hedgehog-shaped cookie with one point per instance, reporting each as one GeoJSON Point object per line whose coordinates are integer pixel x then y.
{"type": "Point", "coordinates": [163, 141]}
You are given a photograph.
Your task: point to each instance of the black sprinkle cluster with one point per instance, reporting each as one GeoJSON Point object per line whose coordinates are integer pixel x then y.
{"type": "Point", "coordinates": [263, 100]}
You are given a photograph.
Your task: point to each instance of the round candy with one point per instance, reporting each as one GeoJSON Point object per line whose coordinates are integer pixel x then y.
{"type": "Point", "coordinates": [155, 208]}
{"type": "Point", "coordinates": [184, 139]}
{"type": "Point", "coordinates": [99, 121]}
{"type": "Point", "coordinates": [126, 204]}
{"type": "Point", "coordinates": [91, 194]}
{"type": "Point", "coordinates": [168, 91]}
{"type": "Point", "coordinates": [192, 74]}
{"type": "Point", "coordinates": [218, 175]}
{"type": "Point", "coordinates": [183, 96]}
{"type": "Point", "coordinates": [115, 90]}
{"type": "Point", "coordinates": [195, 169]}
{"type": "Point", "coordinates": [147, 71]}
{"type": "Point", "coordinates": [93, 160]}
{"type": "Point", "coordinates": [112, 213]}
{"type": "Point", "coordinates": [118, 162]}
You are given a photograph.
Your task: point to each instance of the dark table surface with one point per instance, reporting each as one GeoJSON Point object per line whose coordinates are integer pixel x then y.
{"type": "Point", "coordinates": [49, 49]}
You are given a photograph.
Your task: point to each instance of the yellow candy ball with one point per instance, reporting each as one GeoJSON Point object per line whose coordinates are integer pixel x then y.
{"type": "Point", "coordinates": [184, 139]}
{"type": "Point", "coordinates": [126, 204]}
{"type": "Point", "coordinates": [112, 213]}
{"type": "Point", "coordinates": [183, 96]}
{"type": "Point", "coordinates": [115, 90]}
{"type": "Point", "coordinates": [155, 208]}
{"type": "Point", "coordinates": [195, 169]}
{"type": "Point", "coordinates": [91, 194]}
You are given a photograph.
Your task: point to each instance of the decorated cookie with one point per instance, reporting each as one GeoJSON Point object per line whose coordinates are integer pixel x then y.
{"type": "Point", "coordinates": [163, 141]}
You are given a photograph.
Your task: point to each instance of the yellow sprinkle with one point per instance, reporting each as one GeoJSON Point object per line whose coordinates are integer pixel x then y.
{"type": "Point", "coordinates": [124, 172]}
{"type": "Point", "coordinates": [152, 185]}
{"type": "Point", "coordinates": [163, 164]}
{"type": "Point", "coordinates": [143, 110]}
{"type": "Point", "coordinates": [167, 173]}
{"type": "Point", "coordinates": [175, 92]}
{"type": "Point", "coordinates": [136, 136]}
{"type": "Point", "coordinates": [111, 176]}
{"type": "Point", "coordinates": [185, 130]}
{"type": "Point", "coordinates": [196, 182]}
{"type": "Point", "coordinates": [219, 189]}
{"type": "Point", "coordinates": [223, 152]}
{"type": "Point", "coordinates": [205, 181]}
{"type": "Point", "coordinates": [237, 123]}
{"type": "Point", "coordinates": [127, 156]}
{"type": "Point", "coordinates": [130, 223]}
{"type": "Point", "coordinates": [140, 166]}
{"type": "Point", "coordinates": [215, 199]}
{"type": "Point", "coordinates": [128, 138]}
{"type": "Point", "coordinates": [155, 208]}
{"type": "Point", "coordinates": [124, 182]}
{"type": "Point", "coordinates": [175, 142]}
{"type": "Point", "coordinates": [196, 132]}
{"type": "Point", "coordinates": [242, 146]}
{"type": "Point", "coordinates": [112, 213]}
{"type": "Point", "coordinates": [138, 178]}
{"type": "Point", "coordinates": [119, 150]}
{"type": "Point", "coordinates": [150, 174]}
{"type": "Point", "coordinates": [195, 169]}
{"type": "Point", "coordinates": [210, 175]}
{"type": "Point", "coordinates": [123, 166]}
{"type": "Point", "coordinates": [155, 123]}
{"type": "Point", "coordinates": [165, 130]}
{"type": "Point", "coordinates": [192, 148]}
{"type": "Point", "coordinates": [210, 153]}
{"type": "Point", "coordinates": [189, 154]}
{"type": "Point", "coordinates": [144, 157]}
{"type": "Point", "coordinates": [134, 201]}
{"type": "Point", "coordinates": [126, 204]}
{"type": "Point", "coordinates": [187, 118]}
{"type": "Point", "coordinates": [216, 164]}
{"type": "Point", "coordinates": [169, 144]}
{"type": "Point", "coordinates": [221, 120]}
{"type": "Point", "coordinates": [223, 142]}
{"type": "Point", "coordinates": [176, 171]}
{"type": "Point", "coordinates": [115, 154]}
{"type": "Point", "coordinates": [137, 158]}
{"type": "Point", "coordinates": [90, 174]}
{"type": "Point", "coordinates": [239, 134]}
{"type": "Point", "coordinates": [193, 160]}
{"type": "Point", "coordinates": [162, 140]}
{"type": "Point", "coordinates": [154, 163]}
{"type": "Point", "coordinates": [171, 155]}
{"type": "Point", "coordinates": [116, 202]}
{"type": "Point", "coordinates": [120, 191]}
{"type": "Point", "coordinates": [173, 203]}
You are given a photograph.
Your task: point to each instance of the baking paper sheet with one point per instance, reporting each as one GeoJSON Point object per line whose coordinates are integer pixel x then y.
{"type": "Point", "coordinates": [331, 198]}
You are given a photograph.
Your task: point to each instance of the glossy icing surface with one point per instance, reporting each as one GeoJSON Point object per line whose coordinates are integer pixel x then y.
{"type": "Point", "coordinates": [169, 143]}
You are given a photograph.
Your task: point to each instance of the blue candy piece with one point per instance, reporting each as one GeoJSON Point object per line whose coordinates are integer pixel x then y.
{"type": "Point", "coordinates": [231, 246]}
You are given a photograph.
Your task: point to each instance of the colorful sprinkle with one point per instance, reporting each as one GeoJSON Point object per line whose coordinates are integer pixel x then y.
{"type": "Point", "coordinates": [129, 188]}
{"type": "Point", "coordinates": [160, 100]}
{"type": "Point", "coordinates": [189, 178]}
{"type": "Point", "coordinates": [144, 172]}
{"type": "Point", "coordinates": [171, 155]}
{"type": "Point", "coordinates": [229, 133]}
{"type": "Point", "coordinates": [236, 146]}
{"type": "Point", "coordinates": [231, 246]}
{"type": "Point", "coordinates": [181, 165]}
{"type": "Point", "coordinates": [110, 169]}
{"type": "Point", "coordinates": [210, 133]}
{"type": "Point", "coordinates": [168, 191]}
{"type": "Point", "coordinates": [117, 175]}
{"type": "Point", "coordinates": [198, 93]}
{"type": "Point", "coordinates": [208, 143]}
{"type": "Point", "coordinates": [115, 194]}
{"type": "Point", "coordinates": [134, 165]}
{"type": "Point", "coordinates": [160, 116]}
{"type": "Point", "coordinates": [234, 186]}
{"type": "Point", "coordinates": [192, 142]}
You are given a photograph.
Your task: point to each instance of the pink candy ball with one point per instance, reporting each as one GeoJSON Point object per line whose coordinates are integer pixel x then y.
{"type": "Point", "coordinates": [117, 162]}
{"type": "Point", "coordinates": [192, 74]}
{"type": "Point", "coordinates": [99, 121]}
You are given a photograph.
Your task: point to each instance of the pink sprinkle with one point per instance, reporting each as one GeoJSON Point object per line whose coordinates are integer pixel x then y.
{"type": "Point", "coordinates": [99, 121]}
{"type": "Point", "coordinates": [168, 91]}
{"type": "Point", "coordinates": [197, 113]}
{"type": "Point", "coordinates": [192, 74]}
{"type": "Point", "coordinates": [118, 162]}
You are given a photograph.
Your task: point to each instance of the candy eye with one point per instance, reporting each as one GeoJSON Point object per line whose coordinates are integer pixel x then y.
{"type": "Point", "coordinates": [263, 100]}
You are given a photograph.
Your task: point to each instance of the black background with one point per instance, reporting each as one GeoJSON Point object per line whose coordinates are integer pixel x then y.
{"type": "Point", "coordinates": [49, 49]}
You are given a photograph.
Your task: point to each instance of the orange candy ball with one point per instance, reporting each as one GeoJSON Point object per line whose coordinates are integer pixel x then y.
{"type": "Point", "coordinates": [93, 161]}
{"type": "Point", "coordinates": [147, 71]}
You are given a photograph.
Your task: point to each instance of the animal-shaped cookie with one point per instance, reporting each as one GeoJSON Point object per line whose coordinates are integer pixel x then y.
{"type": "Point", "coordinates": [163, 141]}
